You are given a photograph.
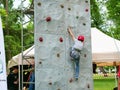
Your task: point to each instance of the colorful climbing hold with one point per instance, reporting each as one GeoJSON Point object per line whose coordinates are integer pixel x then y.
{"type": "Point", "coordinates": [69, 9]}
{"type": "Point", "coordinates": [48, 19]}
{"type": "Point", "coordinates": [61, 6]}
{"type": "Point", "coordinates": [85, 55]}
{"type": "Point", "coordinates": [84, 24]}
{"type": "Point", "coordinates": [86, 10]}
{"type": "Point", "coordinates": [61, 39]}
{"type": "Point", "coordinates": [86, 1]}
{"type": "Point", "coordinates": [39, 4]}
{"type": "Point", "coordinates": [77, 17]}
{"type": "Point", "coordinates": [50, 83]}
{"type": "Point", "coordinates": [41, 39]}
{"type": "Point", "coordinates": [71, 80]}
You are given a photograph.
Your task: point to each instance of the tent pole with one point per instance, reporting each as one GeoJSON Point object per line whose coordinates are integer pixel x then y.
{"type": "Point", "coordinates": [21, 67]}
{"type": "Point", "coordinates": [116, 83]}
{"type": "Point", "coordinates": [118, 76]}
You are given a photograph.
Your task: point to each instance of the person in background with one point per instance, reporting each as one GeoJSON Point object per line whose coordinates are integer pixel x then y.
{"type": "Point", "coordinates": [12, 79]}
{"type": "Point", "coordinates": [75, 50]}
{"type": "Point", "coordinates": [94, 67]}
{"type": "Point", "coordinates": [32, 78]}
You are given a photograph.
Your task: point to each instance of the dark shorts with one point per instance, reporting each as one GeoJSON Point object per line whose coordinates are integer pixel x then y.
{"type": "Point", "coordinates": [75, 54]}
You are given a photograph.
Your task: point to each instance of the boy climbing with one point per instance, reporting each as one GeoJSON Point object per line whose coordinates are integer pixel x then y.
{"type": "Point", "coordinates": [75, 50]}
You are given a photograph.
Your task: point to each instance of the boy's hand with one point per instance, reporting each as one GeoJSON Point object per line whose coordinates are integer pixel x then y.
{"type": "Point", "coordinates": [69, 29]}
{"type": "Point", "coordinates": [71, 33]}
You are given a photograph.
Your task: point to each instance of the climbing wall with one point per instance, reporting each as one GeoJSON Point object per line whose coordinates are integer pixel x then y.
{"type": "Point", "coordinates": [54, 69]}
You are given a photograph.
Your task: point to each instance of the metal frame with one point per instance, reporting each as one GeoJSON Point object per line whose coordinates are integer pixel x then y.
{"type": "Point", "coordinates": [27, 12]}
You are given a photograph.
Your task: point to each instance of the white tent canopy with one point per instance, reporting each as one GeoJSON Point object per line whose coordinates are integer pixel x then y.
{"type": "Point", "coordinates": [105, 51]}
{"type": "Point", "coordinates": [28, 56]}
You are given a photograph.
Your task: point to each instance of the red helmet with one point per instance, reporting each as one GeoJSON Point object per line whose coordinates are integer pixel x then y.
{"type": "Point", "coordinates": [81, 38]}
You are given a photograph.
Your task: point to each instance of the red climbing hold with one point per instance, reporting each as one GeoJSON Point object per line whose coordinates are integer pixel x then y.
{"type": "Point", "coordinates": [86, 10]}
{"type": "Point", "coordinates": [40, 39]}
{"type": "Point", "coordinates": [48, 19]}
{"type": "Point", "coordinates": [61, 39]}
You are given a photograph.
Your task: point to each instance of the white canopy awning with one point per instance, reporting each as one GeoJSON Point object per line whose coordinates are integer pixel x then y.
{"type": "Point", "coordinates": [28, 58]}
{"type": "Point", "coordinates": [105, 49]}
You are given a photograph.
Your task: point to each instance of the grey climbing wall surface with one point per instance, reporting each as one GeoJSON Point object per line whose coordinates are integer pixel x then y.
{"type": "Point", "coordinates": [54, 69]}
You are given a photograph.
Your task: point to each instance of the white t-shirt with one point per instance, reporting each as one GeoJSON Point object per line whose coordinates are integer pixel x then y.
{"type": "Point", "coordinates": [78, 44]}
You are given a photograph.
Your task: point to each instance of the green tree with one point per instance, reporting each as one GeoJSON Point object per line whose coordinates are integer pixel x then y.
{"type": "Point", "coordinates": [96, 17]}
{"type": "Point", "coordinates": [113, 7]}
{"type": "Point", "coordinates": [12, 26]}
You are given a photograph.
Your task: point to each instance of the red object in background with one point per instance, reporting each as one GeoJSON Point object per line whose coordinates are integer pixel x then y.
{"type": "Point", "coordinates": [61, 39]}
{"type": "Point", "coordinates": [48, 19]}
{"type": "Point", "coordinates": [41, 39]}
{"type": "Point", "coordinates": [118, 73]}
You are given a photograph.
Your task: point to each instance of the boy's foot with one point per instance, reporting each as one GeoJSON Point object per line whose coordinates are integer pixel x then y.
{"type": "Point", "coordinates": [76, 79]}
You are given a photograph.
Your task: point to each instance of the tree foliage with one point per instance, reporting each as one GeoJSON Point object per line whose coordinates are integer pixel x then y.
{"type": "Point", "coordinates": [108, 20]}
{"type": "Point", "coordinates": [12, 26]}
{"type": "Point", "coordinates": [96, 18]}
{"type": "Point", "coordinates": [113, 7]}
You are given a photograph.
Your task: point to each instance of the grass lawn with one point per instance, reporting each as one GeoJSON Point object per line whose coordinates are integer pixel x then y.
{"type": "Point", "coordinates": [104, 83]}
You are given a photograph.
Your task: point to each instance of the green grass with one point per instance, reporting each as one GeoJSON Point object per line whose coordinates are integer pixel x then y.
{"type": "Point", "coordinates": [104, 83]}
